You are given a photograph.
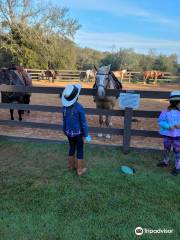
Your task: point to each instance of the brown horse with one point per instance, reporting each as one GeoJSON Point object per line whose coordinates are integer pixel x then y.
{"type": "Point", "coordinates": [152, 75]}
{"type": "Point", "coordinates": [105, 79]}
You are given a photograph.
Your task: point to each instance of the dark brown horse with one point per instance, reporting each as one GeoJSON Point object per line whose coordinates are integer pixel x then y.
{"type": "Point", "coordinates": [105, 79]}
{"type": "Point", "coordinates": [11, 77]}
{"type": "Point", "coordinates": [50, 75]}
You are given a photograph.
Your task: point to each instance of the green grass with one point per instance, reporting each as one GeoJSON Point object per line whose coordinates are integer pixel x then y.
{"type": "Point", "coordinates": [41, 200]}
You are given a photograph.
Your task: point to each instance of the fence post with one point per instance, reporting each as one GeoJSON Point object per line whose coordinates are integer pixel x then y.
{"type": "Point", "coordinates": [128, 113]}
{"type": "Point", "coordinates": [130, 75]}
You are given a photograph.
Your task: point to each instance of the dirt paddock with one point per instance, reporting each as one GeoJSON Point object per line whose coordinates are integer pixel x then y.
{"type": "Point", "coordinates": [87, 101]}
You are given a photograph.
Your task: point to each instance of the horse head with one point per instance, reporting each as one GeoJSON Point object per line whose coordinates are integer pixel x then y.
{"type": "Point", "coordinates": [102, 80]}
{"type": "Point", "coordinates": [160, 74]}
{"type": "Point", "coordinates": [5, 76]}
{"type": "Point", "coordinates": [10, 77]}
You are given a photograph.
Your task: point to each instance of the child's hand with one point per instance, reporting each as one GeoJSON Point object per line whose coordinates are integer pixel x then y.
{"type": "Point", "coordinates": [88, 138]}
{"type": "Point", "coordinates": [177, 126]}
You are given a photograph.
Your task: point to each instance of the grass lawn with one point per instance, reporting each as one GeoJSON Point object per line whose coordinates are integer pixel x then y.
{"type": "Point", "coordinates": [41, 200]}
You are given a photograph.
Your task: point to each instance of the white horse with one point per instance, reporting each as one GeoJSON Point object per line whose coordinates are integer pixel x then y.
{"type": "Point", "coordinates": [90, 75]}
{"type": "Point", "coordinates": [105, 79]}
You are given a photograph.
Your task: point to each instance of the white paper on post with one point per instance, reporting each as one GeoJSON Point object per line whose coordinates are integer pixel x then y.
{"type": "Point", "coordinates": [130, 100]}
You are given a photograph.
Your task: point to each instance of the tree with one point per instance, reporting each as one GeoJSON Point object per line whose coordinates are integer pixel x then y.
{"type": "Point", "coordinates": [30, 31]}
{"type": "Point", "coordinates": [87, 58]}
{"type": "Point", "coordinates": [166, 63]}
{"type": "Point", "coordinates": [123, 59]}
{"type": "Point", "coordinates": [146, 62]}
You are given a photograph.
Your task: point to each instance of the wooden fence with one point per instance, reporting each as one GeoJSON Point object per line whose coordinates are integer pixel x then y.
{"type": "Point", "coordinates": [128, 113]}
{"type": "Point", "coordinates": [138, 77]}
{"type": "Point", "coordinates": [74, 75]}
{"type": "Point", "coordinates": [62, 75]}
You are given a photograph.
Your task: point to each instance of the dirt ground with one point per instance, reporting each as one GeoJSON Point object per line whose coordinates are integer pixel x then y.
{"type": "Point", "coordinates": [87, 101]}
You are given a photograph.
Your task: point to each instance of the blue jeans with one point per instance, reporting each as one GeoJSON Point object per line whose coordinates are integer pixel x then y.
{"type": "Point", "coordinates": [76, 144]}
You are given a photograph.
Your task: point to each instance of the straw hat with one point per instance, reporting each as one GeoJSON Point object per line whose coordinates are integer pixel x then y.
{"type": "Point", "coordinates": [70, 94]}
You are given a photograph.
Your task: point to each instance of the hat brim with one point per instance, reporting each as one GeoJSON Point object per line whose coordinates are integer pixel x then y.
{"type": "Point", "coordinates": [67, 103]}
{"type": "Point", "coordinates": [174, 99]}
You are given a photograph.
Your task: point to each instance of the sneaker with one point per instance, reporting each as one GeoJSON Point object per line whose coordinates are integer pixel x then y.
{"type": "Point", "coordinates": [162, 164]}
{"type": "Point", "coordinates": [175, 172]}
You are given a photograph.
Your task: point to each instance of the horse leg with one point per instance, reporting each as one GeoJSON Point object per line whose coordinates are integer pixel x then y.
{"type": "Point", "coordinates": [155, 81]}
{"type": "Point", "coordinates": [100, 123]}
{"type": "Point", "coordinates": [144, 80]}
{"type": "Point", "coordinates": [27, 101]}
{"type": "Point", "coordinates": [20, 115]}
{"type": "Point", "coordinates": [108, 124]}
{"type": "Point", "coordinates": [12, 114]}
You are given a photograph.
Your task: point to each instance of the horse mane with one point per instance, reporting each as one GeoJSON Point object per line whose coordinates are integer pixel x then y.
{"type": "Point", "coordinates": [117, 84]}
{"type": "Point", "coordinates": [94, 86]}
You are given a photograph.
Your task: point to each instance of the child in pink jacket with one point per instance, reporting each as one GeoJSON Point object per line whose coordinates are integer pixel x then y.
{"type": "Point", "coordinates": [169, 122]}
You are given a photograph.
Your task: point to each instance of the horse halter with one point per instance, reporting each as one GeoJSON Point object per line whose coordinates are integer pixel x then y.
{"type": "Point", "coordinates": [103, 74]}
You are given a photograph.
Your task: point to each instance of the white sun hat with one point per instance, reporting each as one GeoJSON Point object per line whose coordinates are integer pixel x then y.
{"type": "Point", "coordinates": [70, 94]}
{"type": "Point", "coordinates": [174, 96]}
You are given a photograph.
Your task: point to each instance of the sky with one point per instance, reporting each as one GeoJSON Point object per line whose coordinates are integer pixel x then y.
{"type": "Point", "coordinates": [108, 25]}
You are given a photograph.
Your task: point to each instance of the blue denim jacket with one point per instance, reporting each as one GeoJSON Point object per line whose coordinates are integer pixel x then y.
{"type": "Point", "coordinates": [74, 120]}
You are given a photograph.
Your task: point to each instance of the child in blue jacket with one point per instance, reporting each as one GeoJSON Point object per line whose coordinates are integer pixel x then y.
{"type": "Point", "coordinates": [74, 127]}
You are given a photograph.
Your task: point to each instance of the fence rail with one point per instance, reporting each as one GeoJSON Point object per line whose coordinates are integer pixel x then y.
{"type": "Point", "coordinates": [84, 91]}
{"type": "Point", "coordinates": [74, 75]}
{"type": "Point", "coordinates": [89, 111]}
{"type": "Point", "coordinates": [128, 113]}
{"type": "Point", "coordinates": [62, 75]}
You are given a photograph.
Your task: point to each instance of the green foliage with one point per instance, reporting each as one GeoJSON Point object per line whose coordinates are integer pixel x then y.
{"type": "Point", "coordinates": [146, 62]}
{"type": "Point", "coordinates": [87, 58]}
{"type": "Point", "coordinates": [41, 36]}
{"type": "Point", "coordinates": [37, 40]}
{"type": "Point", "coordinates": [128, 59]}
{"type": "Point", "coordinates": [122, 59]}
{"type": "Point", "coordinates": [166, 63]}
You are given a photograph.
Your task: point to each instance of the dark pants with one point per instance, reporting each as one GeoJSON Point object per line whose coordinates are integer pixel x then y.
{"type": "Point", "coordinates": [76, 143]}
